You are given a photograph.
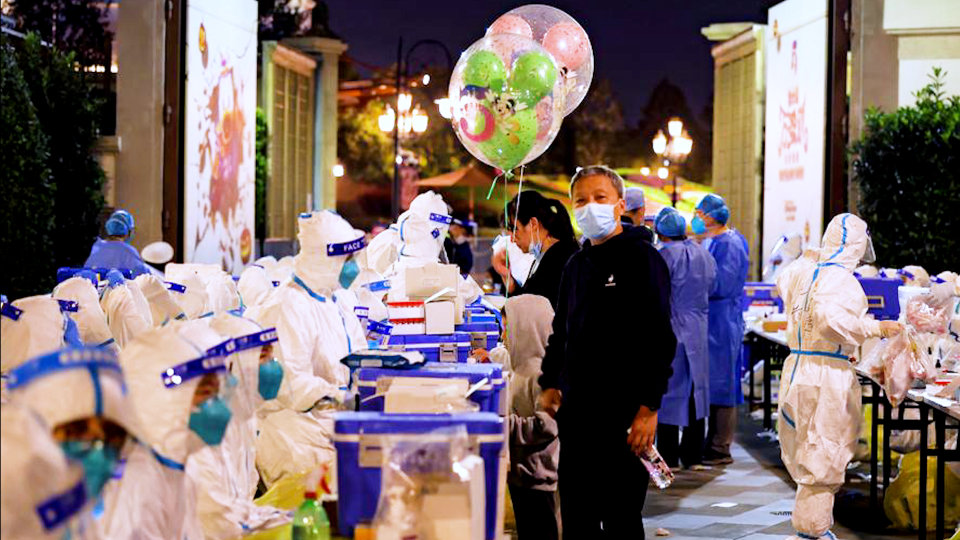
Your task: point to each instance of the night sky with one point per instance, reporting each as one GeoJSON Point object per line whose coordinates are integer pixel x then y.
{"type": "Point", "coordinates": [635, 43]}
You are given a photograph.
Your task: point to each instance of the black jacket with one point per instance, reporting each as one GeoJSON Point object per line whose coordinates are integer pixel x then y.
{"type": "Point", "coordinates": [459, 254]}
{"type": "Point", "coordinates": [546, 280]}
{"type": "Point", "coordinates": [612, 344]}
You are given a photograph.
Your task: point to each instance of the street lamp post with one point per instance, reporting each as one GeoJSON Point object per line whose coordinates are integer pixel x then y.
{"type": "Point", "coordinates": [416, 120]}
{"type": "Point", "coordinates": [674, 150]}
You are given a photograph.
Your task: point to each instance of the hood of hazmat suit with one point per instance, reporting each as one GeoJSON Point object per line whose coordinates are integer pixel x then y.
{"type": "Point", "coordinates": [254, 286]}
{"type": "Point", "coordinates": [30, 327]}
{"type": "Point", "coordinates": [914, 276]}
{"type": "Point", "coordinates": [90, 319]}
{"type": "Point", "coordinates": [221, 289]}
{"type": "Point", "coordinates": [161, 297]}
{"type": "Point", "coordinates": [296, 428]}
{"type": "Point", "coordinates": [127, 310]}
{"type": "Point", "coordinates": [867, 271]}
{"type": "Point", "coordinates": [41, 491]}
{"type": "Point", "coordinates": [384, 250]}
{"type": "Point", "coordinates": [819, 391]}
{"type": "Point", "coordinates": [787, 249]}
{"type": "Point", "coordinates": [529, 325]}
{"type": "Point", "coordinates": [194, 298]}
{"type": "Point", "coordinates": [422, 229]}
{"type": "Point", "coordinates": [225, 475]}
{"type": "Point", "coordinates": [283, 270]}
{"type": "Point", "coordinates": [154, 498]}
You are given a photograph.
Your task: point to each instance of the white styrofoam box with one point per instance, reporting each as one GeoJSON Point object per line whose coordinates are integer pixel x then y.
{"type": "Point", "coordinates": [405, 310]}
{"type": "Point", "coordinates": [440, 317]}
{"type": "Point", "coordinates": [431, 278]}
{"type": "Point", "coordinates": [408, 327]}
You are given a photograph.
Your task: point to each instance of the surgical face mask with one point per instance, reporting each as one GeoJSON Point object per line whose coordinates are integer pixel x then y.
{"type": "Point", "coordinates": [270, 377]}
{"type": "Point", "coordinates": [98, 459]}
{"type": "Point", "coordinates": [349, 273]}
{"type": "Point", "coordinates": [597, 221]}
{"type": "Point", "coordinates": [210, 420]}
{"type": "Point", "coordinates": [698, 225]}
{"type": "Point", "coordinates": [536, 245]}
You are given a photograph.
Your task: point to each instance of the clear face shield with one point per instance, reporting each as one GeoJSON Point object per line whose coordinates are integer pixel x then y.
{"type": "Point", "coordinates": [210, 411]}
{"type": "Point", "coordinates": [869, 255]}
{"type": "Point", "coordinates": [351, 267]}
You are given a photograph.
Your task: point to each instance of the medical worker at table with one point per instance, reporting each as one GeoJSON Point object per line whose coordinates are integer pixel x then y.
{"type": "Point", "coordinates": [729, 250]}
{"type": "Point", "coordinates": [819, 410]}
{"type": "Point", "coordinates": [687, 401]}
{"type": "Point", "coordinates": [114, 251]}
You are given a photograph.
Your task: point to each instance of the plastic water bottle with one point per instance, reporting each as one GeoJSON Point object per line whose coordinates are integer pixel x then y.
{"type": "Point", "coordinates": [310, 521]}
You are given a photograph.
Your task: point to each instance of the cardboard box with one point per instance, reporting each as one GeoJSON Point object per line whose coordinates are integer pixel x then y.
{"type": "Point", "coordinates": [427, 280]}
{"type": "Point", "coordinates": [440, 316]}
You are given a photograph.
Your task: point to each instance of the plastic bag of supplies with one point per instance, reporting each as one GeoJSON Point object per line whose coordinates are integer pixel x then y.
{"type": "Point", "coordinates": [901, 501]}
{"type": "Point", "coordinates": [432, 488]}
{"type": "Point", "coordinates": [896, 362]}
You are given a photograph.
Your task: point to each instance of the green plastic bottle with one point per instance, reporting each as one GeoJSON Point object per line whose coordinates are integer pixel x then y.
{"type": "Point", "coordinates": [310, 521]}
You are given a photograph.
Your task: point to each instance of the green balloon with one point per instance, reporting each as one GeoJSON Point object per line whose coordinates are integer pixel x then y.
{"type": "Point", "coordinates": [534, 74]}
{"type": "Point", "coordinates": [485, 69]}
{"type": "Point", "coordinates": [512, 139]}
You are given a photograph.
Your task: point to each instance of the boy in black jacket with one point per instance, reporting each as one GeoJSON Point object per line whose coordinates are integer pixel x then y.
{"type": "Point", "coordinates": [605, 369]}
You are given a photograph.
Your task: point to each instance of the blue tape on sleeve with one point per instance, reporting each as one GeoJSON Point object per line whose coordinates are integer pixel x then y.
{"type": "Point", "coordinates": [10, 311]}
{"type": "Point", "coordinates": [175, 287]}
{"type": "Point", "coordinates": [384, 329]}
{"type": "Point", "coordinates": [378, 286]}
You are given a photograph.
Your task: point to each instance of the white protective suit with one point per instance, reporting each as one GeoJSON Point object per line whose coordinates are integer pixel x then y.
{"type": "Point", "coordinates": [33, 471]}
{"type": "Point", "coordinates": [422, 230]}
{"type": "Point", "coordinates": [819, 409]}
{"type": "Point", "coordinates": [163, 303]}
{"type": "Point", "coordinates": [222, 292]}
{"type": "Point", "coordinates": [254, 286]}
{"type": "Point", "coordinates": [787, 249]}
{"type": "Point", "coordinates": [226, 475]}
{"type": "Point", "coordinates": [38, 329]}
{"type": "Point", "coordinates": [915, 276]}
{"type": "Point", "coordinates": [314, 334]}
{"type": "Point", "coordinates": [127, 310]}
{"type": "Point", "coordinates": [90, 319]}
{"type": "Point", "coordinates": [155, 499]}
{"type": "Point", "coordinates": [194, 299]}
{"type": "Point", "coordinates": [283, 270]}
{"type": "Point", "coordinates": [384, 249]}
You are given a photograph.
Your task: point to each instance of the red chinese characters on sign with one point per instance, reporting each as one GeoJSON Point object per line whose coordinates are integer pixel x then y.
{"type": "Point", "coordinates": [794, 135]}
{"type": "Point", "coordinates": [790, 210]}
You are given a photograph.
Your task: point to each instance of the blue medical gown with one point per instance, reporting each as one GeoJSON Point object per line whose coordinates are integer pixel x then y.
{"type": "Point", "coordinates": [726, 317]}
{"type": "Point", "coordinates": [115, 254]}
{"type": "Point", "coordinates": [692, 273]}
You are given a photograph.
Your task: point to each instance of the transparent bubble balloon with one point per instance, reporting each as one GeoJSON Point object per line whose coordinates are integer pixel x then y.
{"type": "Point", "coordinates": [506, 96]}
{"type": "Point", "coordinates": [562, 36]}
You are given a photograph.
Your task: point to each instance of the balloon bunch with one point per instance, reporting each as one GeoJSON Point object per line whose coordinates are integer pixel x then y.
{"type": "Point", "coordinates": [511, 89]}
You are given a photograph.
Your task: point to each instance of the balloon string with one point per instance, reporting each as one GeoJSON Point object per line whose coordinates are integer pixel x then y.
{"type": "Point", "coordinates": [516, 217]}
{"type": "Point", "coordinates": [493, 185]}
{"type": "Point", "coordinates": [506, 217]}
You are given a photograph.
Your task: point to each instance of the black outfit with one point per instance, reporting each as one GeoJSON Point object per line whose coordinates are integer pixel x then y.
{"type": "Point", "coordinates": [546, 280]}
{"type": "Point", "coordinates": [536, 513]}
{"type": "Point", "coordinates": [608, 361]}
{"type": "Point", "coordinates": [459, 254]}
{"type": "Point", "coordinates": [689, 448]}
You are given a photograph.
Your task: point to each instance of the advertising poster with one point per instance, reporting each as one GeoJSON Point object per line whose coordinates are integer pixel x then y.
{"type": "Point", "coordinates": [219, 130]}
{"type": "Point", "coordinates": [795, 126]}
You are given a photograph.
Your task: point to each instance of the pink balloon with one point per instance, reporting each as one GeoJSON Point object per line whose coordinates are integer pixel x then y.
{"type": "Point", "coordinates": [511, 24]}
{"type": "Point", "coordinates": [568, 43]}
{"type": "Point", "coordinates": [507, 46]}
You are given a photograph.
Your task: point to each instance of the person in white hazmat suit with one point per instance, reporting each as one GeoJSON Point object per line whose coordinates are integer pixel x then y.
{"type": "Point", "coordinates": [79, 394]}
{"type": "Point", "coordinates": [160, 297]}
{"type": "Point", "coordinates": [193, 297]}
{"type": "Point", "coordinates": [787, 249]}
{"type": "Point", "coordinates": [226, 475]}
{"type": "Point", "coordinates": [42, 493]}
{"type": "Point", "coordinates": [32, 326]}
{"type": "Point", "coordinates": [180, 399]}
{"type": "Point", "coordinates": [296, 429]}
{"type": "Point", "coordinates": [254, 286]}
{"type": "Point", "coordinates": [819, 404]}
{"type": "Point", "coordinates": [127, 310]}
{"type": "Point", "coordinates": [90, 318]}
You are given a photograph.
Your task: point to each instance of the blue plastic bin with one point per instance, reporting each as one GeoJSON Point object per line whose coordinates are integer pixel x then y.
{"type": "Point", "coordinates": [883, 299]}
{"type": "Point", "coordinates": [435, 347]}
{"type": "Point", "coordinates": [359, 438]}
{"type": "Point", "coordinates": [489, 397]}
